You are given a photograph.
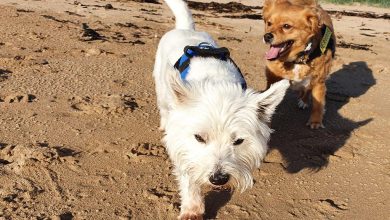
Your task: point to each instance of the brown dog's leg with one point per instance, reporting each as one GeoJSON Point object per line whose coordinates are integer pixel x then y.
{"type": "Point", "coordinates": [271, 77]}
{"type": "Point", "coordinates": [317, 112]}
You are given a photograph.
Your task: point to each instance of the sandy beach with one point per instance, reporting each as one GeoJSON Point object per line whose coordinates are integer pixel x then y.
{"type": "Point", "coordinates": [79, 134]}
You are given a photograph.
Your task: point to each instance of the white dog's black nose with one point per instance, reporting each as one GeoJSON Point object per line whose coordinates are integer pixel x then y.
{"type": "Point", "coordinates": [219, 178]}
{"type": "Point", "coordinates": [268, 37]}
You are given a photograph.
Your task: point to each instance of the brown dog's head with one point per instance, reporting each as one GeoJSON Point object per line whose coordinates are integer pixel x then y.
{"type": "Point", "coordinates": [289, 26]}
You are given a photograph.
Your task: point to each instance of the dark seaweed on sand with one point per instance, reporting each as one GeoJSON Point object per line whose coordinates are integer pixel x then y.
{"type": "Point", "coordinates": [231, 7]}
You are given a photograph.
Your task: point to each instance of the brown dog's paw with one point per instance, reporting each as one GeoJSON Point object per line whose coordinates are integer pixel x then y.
{"type": "Point", "coordinates": [315, 125]}
{"type": "Point", "coordinates": [190, 216]}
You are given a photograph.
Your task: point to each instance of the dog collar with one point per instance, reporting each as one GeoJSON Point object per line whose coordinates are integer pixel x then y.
{"type": "Point", "coordinates": [326, 42]}
{"type": "Point", "coordinates": [204, 49]}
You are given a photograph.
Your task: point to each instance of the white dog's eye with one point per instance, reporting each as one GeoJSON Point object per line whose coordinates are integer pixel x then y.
{"type": "Point", "coordinates": [199, 138]}
{"type": "Point", "coordinates": [238, 141]}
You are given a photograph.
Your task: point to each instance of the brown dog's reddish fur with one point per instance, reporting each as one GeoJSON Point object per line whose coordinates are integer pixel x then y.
{"type": "Point", "coordinates": [304, 19]}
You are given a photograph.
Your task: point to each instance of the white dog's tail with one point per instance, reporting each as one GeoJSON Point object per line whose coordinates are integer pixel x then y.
{"type": "Point", "coordinates": [182, 14]}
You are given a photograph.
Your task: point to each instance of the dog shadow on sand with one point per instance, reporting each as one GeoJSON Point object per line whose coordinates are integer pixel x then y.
{"type": "Point", "coordinates": [303, 148]}
{"type": "Point", "coordinates": [214, 200]}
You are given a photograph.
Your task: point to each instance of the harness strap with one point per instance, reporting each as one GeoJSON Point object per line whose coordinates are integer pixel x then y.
{"type": "Point", "coordinates": [204, 49]}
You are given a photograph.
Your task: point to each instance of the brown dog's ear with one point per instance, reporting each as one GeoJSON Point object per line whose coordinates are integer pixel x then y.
{"type": "Point", "coordinates": [281, 1]}
{"type": "Point", "coordinates": [312, 3]}
{"type": "Point", "coordinates": [313, 20]}
{"type": "Point", "coordinates": [267, 3]}
{"type": "Point", "coordinates": [267, 6]}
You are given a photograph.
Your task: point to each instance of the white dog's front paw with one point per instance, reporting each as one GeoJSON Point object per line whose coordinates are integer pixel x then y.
{"type": "Point", "coordinates": [302, 104]}
{"type": "Point", "coordinates": [162, 124]}
{"type": "Point", "coordinates": [190, 216]}
{"type": "Point", "coordinates": [161, 128]}
{"type": "Point", "coordinates": [192, 212]}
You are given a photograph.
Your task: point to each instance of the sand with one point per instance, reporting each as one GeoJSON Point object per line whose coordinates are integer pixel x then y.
{"type": "Point", "coordinates": [79, 134]}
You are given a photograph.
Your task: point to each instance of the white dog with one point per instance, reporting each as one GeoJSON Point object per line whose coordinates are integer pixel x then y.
{"type": "Point", "coordinates": [216, 130]}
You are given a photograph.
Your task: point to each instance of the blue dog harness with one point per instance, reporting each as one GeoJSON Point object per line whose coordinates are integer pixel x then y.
{"type": "Point", "coordinates": [204, 49]}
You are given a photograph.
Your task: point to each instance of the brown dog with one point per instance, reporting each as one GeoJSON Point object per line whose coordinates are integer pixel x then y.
{"type": "Point", "coordinates": [302, 44]}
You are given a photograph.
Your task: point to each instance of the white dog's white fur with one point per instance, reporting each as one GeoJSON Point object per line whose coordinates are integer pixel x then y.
{"type": "Point", "coordinates": [211, 123]}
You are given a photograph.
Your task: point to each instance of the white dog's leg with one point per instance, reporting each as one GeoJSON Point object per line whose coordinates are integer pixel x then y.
{"type": "Point", "coordinates": [192, 204]}
{"type": "Point", "coordinates": [163, 116]}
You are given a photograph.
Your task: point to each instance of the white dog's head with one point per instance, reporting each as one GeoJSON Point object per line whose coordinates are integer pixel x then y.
{"type": "Point", "coordinates": [217, 133]}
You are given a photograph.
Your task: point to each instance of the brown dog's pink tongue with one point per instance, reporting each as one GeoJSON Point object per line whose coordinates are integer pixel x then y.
{"type": "Point", "coordinates": [273, 52]}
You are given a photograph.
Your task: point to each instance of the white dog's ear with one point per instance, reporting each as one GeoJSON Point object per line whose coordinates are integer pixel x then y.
{"type": "Point", "coordinates": [268, 100]}
{"type": "Point", "coordinates": [179, 89]}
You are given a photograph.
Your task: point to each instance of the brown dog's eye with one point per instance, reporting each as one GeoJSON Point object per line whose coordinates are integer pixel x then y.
{"type": "Point", "coordinates": [286, 26]}
{"type": "Point", "coordinates": [199, 138]}
{"type": "Point", "coordinates": [269, 23]}
{"type": "Point", "coordinates": [238, 141]}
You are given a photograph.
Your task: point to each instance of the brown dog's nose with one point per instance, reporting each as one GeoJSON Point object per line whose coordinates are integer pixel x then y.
{"type": "Point", "coordinates": [268, 37]}
{"type": "Point", "coordinates": [219, 178]}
